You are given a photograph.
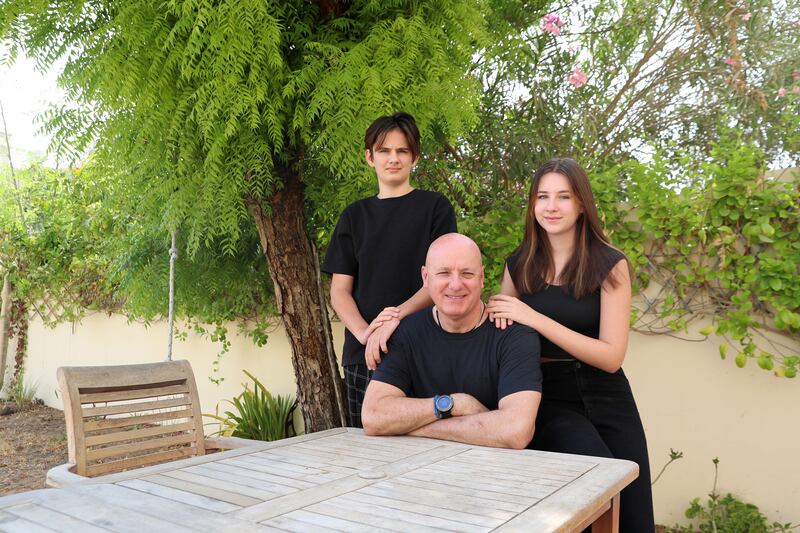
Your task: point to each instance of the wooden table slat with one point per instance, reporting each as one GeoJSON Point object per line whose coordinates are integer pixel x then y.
{"type": "Point", "coordinates": [304, 521]}
{"type": "Point", "coordinates": [102, 514]}
{"type": "Point", "coordinates": [280, 466]}
{"type": "Point", "coordinates": [456, 491]}
{"type": "Point", "coordinates": [183, 496]}
{"type": "Point", "coordinates": [251, 475]}
{"type": "Point", "coordinates": [10, 523]}
{"type": "Point", "coordinates": [531, 470]}
{"type": "Point", "coordinates": [369, 518]}
{"type": "Point", "coordinates": [469, 517]}
{"type": "Point", "coordinates": [303, 461]}
{"type": "Point", "coordinates": [481, 470]}
{"type": "Point", "coordinates": [472, 482]}
{"type": "Point", "coordinates": [331, 458]}
{"type": "Point", "coordinates": [232, 486]}
{"type": "Point", "coordinates": [501, 510]}
{"type": "Point", "coordinates": [188, 516]}
{"type": "Point", "coordinates": [254, 465]}
{"type": "Point", "coordinates": [53, 520]}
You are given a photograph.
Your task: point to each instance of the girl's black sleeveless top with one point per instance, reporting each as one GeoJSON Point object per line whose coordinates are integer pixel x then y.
{"type": "Point", "coordinates": [554, 301]}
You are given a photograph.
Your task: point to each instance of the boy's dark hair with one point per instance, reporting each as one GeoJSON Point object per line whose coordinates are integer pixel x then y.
{"type": "Point", "coordinates": [376, 133]}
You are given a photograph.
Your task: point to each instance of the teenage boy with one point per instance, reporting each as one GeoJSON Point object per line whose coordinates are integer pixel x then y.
{"type": "Point", "coordinates": [377, 250]}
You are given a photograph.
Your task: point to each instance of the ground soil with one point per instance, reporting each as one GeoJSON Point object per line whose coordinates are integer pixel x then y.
{"type": "Point", "coordinates": [31, 442]}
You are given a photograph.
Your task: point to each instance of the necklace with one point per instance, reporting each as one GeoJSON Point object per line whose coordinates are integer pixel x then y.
{"type": "Point", "coordinates": [439, 322]}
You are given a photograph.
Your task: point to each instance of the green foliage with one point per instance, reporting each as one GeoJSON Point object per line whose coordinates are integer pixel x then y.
{"type": "Point", "coordinates": [719, 241]}
{"type": "Point", "coordinates": [259, 415]}
{"type": "Point", "coordinates": [22, 394]}
{"type": "Point", "coordinates": [727, 514]}
{"type": "Point", "coordinates": [194, 106]}
{"type": "Point", "coordinates": [57, 259]}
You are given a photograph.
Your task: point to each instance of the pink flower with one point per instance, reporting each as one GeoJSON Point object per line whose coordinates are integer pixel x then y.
{"type": "Point", "coordinates": [782, 92]}
{"type": "Point", "coordinates": [796, 75]}
{"type": "Point", "coordinates": [796, 89]}
{"type": "Point", "coordinates": [551, 23]}
{"type": "Point", "coordinates": [728, 60]}
{"type": "Point", "coordinates": [577, 78]}
{"type": "Point", "coordinates": [746, 16]}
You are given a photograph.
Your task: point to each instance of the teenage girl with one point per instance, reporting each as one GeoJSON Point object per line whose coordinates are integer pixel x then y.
{"type": "Point", "coordinates": [567, 282]}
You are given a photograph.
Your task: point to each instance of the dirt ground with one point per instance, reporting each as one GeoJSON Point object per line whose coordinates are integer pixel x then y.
{"type": "Point", "coordinates": [31, 442]}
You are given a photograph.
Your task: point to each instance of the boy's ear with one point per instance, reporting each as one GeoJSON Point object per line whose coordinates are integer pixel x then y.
{"type": "Point", "coordinates": [368, 157]}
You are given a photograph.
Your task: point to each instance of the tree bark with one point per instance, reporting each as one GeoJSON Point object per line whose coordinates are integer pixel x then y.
{"type": "Point", "coordinates": [5, 325]}
{"type": "Point", "coordinates": [20, 331]}
{"type": "Point", "coordinates": [292, 263]}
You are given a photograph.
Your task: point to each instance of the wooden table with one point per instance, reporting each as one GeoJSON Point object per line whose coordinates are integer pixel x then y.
{"type": "Point", "coordinates": [339, 480]}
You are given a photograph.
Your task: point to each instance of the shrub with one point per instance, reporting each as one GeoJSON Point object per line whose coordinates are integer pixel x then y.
{"type": "Point", "coordinates": [260, 415]}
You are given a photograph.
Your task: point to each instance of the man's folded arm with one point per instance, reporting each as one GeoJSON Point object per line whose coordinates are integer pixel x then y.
{"type": "Point", "coordinates": [388, 411]}
{"type": "Point", "coordinates": [510, 426]}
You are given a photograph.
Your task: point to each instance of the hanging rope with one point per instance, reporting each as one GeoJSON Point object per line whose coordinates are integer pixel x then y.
{"type": "Point", "coordinates": [173, 255]}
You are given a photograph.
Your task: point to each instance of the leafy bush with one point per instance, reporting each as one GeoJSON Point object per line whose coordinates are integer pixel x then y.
{"type": "Point", "coordinates": [727, 514]}
{"type": "Point", "coordinates": [260, 415]}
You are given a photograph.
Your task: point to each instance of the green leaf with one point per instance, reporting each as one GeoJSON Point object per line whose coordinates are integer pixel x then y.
{"type": "Point", "coordinates": [741, 359]}
{"type": "Point", "coordinates": [723, 350]}
{"type": "Point", "coordinates": [707, 330]}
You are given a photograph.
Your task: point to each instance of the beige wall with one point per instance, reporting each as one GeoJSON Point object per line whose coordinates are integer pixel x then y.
{"type": "Point", "coordinates": [689, 399]}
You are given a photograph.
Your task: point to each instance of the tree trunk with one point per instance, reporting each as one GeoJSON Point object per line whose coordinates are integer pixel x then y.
{"type": "Point", "coordinates": [5, 325]}
{"type": "Point", "coordinates": [292, 263]}
{"type": "Point", "coordinates": [20, 329]}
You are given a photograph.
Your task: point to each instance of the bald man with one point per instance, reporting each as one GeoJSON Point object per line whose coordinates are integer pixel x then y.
{"type": "Point", "coordinates": [449, 373]}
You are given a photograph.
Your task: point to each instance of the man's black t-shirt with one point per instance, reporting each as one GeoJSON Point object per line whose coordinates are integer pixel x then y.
{"type": "Point", "coordinates": [382, 243]}
{"type": "Point", "coordinates": [488, 363]}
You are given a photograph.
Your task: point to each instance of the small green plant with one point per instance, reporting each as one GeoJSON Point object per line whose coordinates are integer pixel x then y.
{"type": "Point", "coordinates": [727, 514]}
{"type": "Point", "coordinates": [23, 395]}
{"type": "Point", "coordinates": [260, 415]}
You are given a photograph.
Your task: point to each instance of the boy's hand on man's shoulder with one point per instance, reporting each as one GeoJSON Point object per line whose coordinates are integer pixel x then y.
{"type": "Point", "coordinates": [378, 342]}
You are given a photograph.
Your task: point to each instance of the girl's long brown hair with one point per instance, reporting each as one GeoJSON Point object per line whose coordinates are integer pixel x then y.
{"type": "Point", "coordinates": [593, 257]}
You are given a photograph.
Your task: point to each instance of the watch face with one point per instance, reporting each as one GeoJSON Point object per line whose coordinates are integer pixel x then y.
{"type": "Point", "coordinates": [444, 403]}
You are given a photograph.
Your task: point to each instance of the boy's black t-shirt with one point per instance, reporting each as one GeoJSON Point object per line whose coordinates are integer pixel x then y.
{"type": "Point", "coordinates": [382, 243]}
{"type": "Point", "coordinates": [488, 363]}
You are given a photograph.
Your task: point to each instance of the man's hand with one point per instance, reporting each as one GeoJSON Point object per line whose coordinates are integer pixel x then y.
{"type": "Point", "coordinates": [377, 342]}
{"type": "Point", "coordinates": [465, 404]}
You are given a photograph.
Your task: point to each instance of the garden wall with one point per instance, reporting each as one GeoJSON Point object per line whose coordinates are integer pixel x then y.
{"type": "Point", "coordinates": [690, 401]}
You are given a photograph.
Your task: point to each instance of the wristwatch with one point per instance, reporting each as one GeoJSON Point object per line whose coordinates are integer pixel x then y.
{"type": "Point", "coordinates": [443, 406]}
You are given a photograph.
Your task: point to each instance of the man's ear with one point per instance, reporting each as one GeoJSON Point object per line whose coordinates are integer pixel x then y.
{"type": "Point", "coordinates": [369, 158]}
{"type": "Point", "coordinates": [424, 276]}
{"type": "Point", "coordinates": [483, 276]}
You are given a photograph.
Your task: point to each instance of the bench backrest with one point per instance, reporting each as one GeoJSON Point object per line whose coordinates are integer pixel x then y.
{"type": "Point", "coordinates": [128, 416]}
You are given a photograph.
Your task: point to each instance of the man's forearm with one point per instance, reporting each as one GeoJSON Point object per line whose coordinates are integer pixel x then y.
{"type": "Point", "coordinates": [397, 415]}
{"type": "Point", "coordinates": [499, 429]}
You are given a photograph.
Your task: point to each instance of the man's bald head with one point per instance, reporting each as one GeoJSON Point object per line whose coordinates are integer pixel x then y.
{"type": "Point", "coordinates": [453, 244]}
{"type": "Point", "coordinates": [453, 274]}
